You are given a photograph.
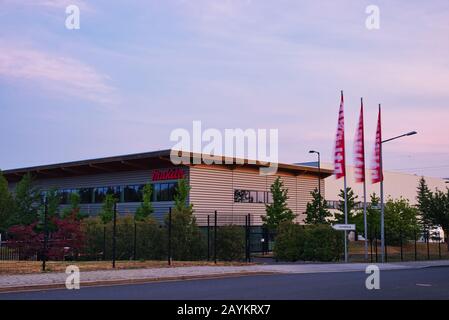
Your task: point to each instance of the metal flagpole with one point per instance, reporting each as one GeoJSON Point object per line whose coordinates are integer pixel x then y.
{"type": "Point", "coordinates": [382, 207]}
{"type": "Point", "coordinates": [346, 219]}
{"type": "Point", "coordinates": [365, 222]}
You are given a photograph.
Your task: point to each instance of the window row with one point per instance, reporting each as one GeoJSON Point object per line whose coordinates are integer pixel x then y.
{"type": "Point", "coordinates": [250, 196]}
{"type": "Point", "coordinates": [130, 193]}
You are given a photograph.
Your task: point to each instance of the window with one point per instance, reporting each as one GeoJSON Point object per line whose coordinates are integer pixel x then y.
{"type": "Point", "coordinates": [100, 194]}
{"type": "Point", "coordinates": [261, 196]}
{"type": "Point", "coordinates": [172, 191]}
{"type": "Point", "coordinates": [86, 195]}
{"type": "Point", "coordinates": [133, 193]}
{"type": "Point", "coordinates": [250, 196]}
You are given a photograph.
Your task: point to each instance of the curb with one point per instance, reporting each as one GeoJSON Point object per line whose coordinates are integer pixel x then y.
{"type": "Point", "coordinates": [104, 283]}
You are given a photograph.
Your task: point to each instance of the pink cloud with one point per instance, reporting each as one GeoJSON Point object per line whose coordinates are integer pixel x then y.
{"type": "Point", "coordinates": [63, 74]}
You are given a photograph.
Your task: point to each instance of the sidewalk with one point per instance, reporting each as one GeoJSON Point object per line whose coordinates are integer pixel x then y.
{"type": "Point", "coordinates": [105, 277]}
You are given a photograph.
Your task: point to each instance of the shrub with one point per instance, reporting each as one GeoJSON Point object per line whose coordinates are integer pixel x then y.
{"type": "Point", "coordinates": [230, 243]}
{"type": "Point", "coordinates": [322, 243]}
{"type": "Point", "coordinates": [289, 244]}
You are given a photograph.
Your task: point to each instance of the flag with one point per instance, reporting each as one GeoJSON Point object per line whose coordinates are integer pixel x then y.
{"type": "Point", "coordinates": [377, 175]}
{"type": "Point", "coordinates": [359, 150]}
{"type": "Point", "coordinates": [339, 156]}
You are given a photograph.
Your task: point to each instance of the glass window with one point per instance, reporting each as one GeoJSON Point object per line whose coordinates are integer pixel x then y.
{"type": "Point", "coordinates": [100, 194]}
{"type": "Point", "coordinates": [261, 196]}
{"type": "Point", "coordinates": [269, 197]}
{"type": "Point", "coordinates": [116, 191]}
{"type": "Point", "coordinates": [164, 192]}
{"type": "Point", "coordinates": [252, 196]}
{"type": "Point", "coordinates": [133, 193]}
{"type": "Point", "coordinates": [85, 195]}
{"type": "Point", "coordinates": [171, 191]}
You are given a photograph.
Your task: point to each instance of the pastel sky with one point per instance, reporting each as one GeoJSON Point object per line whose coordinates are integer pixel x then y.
{"type": "Point", "coordinates": [136, 70]}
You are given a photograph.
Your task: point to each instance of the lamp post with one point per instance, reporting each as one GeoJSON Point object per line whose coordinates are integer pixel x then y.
{"type": "Point", "coordinates": [319, 175]}
{"type": "Point", "coordinates": [382, 205]}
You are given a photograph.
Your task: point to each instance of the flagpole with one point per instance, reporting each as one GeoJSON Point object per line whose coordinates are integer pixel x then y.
{"type": "Point", "coordinates": [365, 220]}
{"type": "Point", "coordinates": [346, 219]}
{"type": "Point", "coordinates": [382, 207]}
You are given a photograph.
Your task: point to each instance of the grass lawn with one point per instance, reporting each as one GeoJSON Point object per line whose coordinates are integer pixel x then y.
{"type": "Point", "coordinates": [24, 267]}
{"type": "Point", "coordinates": [356, 251]}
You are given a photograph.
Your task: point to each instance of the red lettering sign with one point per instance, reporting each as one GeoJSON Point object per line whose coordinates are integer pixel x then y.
{"type": "Point", "coordinates": [170, 174]}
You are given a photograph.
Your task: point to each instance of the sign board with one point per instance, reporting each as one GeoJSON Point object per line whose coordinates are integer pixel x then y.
{"type": "Point", "coordinates": [344, 227]}
{"type": "Point", "coordinates": [170, 174]}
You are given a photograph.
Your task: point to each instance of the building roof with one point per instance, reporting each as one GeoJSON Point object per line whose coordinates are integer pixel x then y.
{"type": "Point", "coordinates": [138, 161]}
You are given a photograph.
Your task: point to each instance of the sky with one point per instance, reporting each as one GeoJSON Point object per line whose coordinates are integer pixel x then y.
{"type": "Point", "coordinates": [136, 70]}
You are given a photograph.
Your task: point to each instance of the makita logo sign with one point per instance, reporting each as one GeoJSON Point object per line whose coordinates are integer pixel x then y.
{"type": "Point", "coordinates": [170, 174]}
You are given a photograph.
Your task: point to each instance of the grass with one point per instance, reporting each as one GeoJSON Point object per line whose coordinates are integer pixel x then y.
{"type": "Point", "coordinates": [27, 267]}
{"type": "Point", "coordinates": [356, 252]}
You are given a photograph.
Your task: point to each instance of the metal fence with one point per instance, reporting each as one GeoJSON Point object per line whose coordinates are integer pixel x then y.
{"type": "Point", "coordinates": [125, 239]}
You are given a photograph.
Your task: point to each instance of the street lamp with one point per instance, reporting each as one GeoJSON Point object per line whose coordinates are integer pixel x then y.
{"type": "Point", "coordinates": [319, 175]}
{"type": "Point", "coordinates": [382, 206]}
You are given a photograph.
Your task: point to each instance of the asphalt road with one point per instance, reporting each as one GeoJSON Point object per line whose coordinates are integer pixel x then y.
{"type": "Point", "coordinates": [428, 283]}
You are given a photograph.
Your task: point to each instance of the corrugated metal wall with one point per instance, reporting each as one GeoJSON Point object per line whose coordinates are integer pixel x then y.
{"type": "Point", "coordinates": [212, 188]}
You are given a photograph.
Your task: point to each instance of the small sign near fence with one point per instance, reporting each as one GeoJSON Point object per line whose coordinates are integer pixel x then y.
{"type": "Point", "coordinates": [344, 227]}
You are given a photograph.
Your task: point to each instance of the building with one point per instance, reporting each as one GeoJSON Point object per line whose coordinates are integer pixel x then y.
{"type": "Point", "coordinates": [231, 189]}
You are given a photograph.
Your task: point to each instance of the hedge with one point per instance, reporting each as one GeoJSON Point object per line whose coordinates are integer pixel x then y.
{"type": "Point", "coordinates": [309, 243]}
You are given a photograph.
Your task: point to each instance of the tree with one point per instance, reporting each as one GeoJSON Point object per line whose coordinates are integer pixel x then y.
{"type": "Point", "coordinates": [107, 210]}
{"type": "Point", "coordinates": [438, 212]}
{"type": "Point", "coordinates": [186, 241]}
{"type": "Point", "coordinates": [372, 218]}
{"type": "Point", "coordinates": [352, 206]}
{"type": "Point", "coordinates": [27, 200]}
{"type": "Point", "coordinates": [146, 208]}
{"type": "Point", "coordinates": [6, 204]}
{"type": "Point", "coordinates": [277, 211]}
{"type": "Point", "coordinates": [53, 202]}
{"type": "Point", "coordinates": [424, 197]}
{"type": "Point", "coordinates": [401, 221]}
{"type": "Point", "coordinates": [317, 209]}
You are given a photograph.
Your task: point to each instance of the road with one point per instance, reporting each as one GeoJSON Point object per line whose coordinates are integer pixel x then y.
{"type": "Point", "coordinates": [426, 283]}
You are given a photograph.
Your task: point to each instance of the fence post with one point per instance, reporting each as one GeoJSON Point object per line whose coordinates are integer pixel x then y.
{"type": "Point", "coordinates": [44, 252]}
{"type": "Point", "coordinates": [104, 242]}
{"type": "Point", "coordinates": [439, 246]}
{"type": "Point", "coordinates": [208, 237]}
{"type": "Point", "coordinates": [428, 245]}
{"type": "Point", "coordinates": [169, 236]}
{"type": "Point", "coordinates": [375, 243]}
{"type": "Point", "coordinates": [114, 243]}
{"type": "Point", "coordinates": [386, 247]}
{"type": "Point", "coordinates": [215, 237]}
{"type": "Point", "coordinates": [249, 237]}
{"type": "Point", "coordinates": [135, 241]}
{"type": "Point", "coordinates": [416, 249]}
{"type": "Point", "coordinates": [246, 239]}
{"type": "Point", "coordinates": [400, 235]}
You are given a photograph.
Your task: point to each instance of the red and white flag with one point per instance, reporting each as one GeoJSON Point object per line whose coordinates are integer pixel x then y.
{"type": "Point", "coordinates": [359, 150]}
{"type": "Point", "coordinates": [377, 175]}
{"type": "Point", "coordinates": [339, 156]}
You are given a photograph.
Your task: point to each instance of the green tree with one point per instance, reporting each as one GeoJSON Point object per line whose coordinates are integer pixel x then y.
{"type": "Point", "coordinates": [401, 220]}
{"type": "Point", "coordinates": [277, 211]}
{"type": "Point", "coordinates": [6, 204]}
{"type": "Point", "coordinates": [74, 207]}
{"type": "Point", "coordinates": [424, 198]}
{"type": "Point", "coordinates": [53, 202]}
{"type": "Point", "coordinates": [146, 208]}
{"type": "Point", "coordinates": [27, 200]}
{"type": "Point", "coordinates": [372, 218]}
{"type": "Point", "coordinates": [187, 241]}
{"type": "Point", "coordinates": [316, 210]}
{"type": "Point", "coordinates": [438, 212]}
{"type": "Point", "coordinates": [352, 206]}
{"type": "Point", "coordinates": [107, 210]}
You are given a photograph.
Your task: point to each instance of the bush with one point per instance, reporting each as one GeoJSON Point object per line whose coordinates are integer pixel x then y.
{"type": "Point", "coordinates": [310, 243]}
{"type": "Point", "coordinates": [187, 241]}
{"type": "Point", "coordinates": [230, 243]}
{"type": "Point", "coordinates": [289, 244]}
{"type": "Point", "coordinates": [150, 239]}
{"type": "Point", "coordinates": [322, 243]}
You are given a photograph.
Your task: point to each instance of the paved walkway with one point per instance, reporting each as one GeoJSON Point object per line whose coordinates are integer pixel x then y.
{"type": "Point", "coordinates": [135, 275]}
